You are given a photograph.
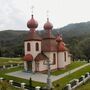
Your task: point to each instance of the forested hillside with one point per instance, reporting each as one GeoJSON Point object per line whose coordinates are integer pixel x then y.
{"type": "Point", "coordinates": [77, 37]}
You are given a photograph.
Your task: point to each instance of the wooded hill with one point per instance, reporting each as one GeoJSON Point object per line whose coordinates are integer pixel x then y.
{"type": "Point", "coordinates": [77, 37]}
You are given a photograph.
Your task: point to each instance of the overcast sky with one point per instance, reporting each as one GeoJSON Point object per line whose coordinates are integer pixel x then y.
{"type": "Point", "coordinates": [14, 14]}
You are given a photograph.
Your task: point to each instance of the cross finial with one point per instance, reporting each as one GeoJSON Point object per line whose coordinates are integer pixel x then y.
{"type": "Point", "coordinates": [47, 13]}
{"type": "Point", "coordinates": [32, 8]}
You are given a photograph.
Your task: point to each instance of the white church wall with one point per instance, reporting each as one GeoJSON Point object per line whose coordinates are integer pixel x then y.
{"type": "Point", "coordinates": [25, 66]}
{"type": "Point", "coordinates": [67, 58]}
{"type": "Point", "coordinates": [61, 60]}
{"type": "Point", "coordinates": [42, 67]}
{"type": "Point", "coordinates": [33, 66]}
{"type": "Point", "coordinates": [33, 51]}
{"type": "Point", "coordinates": [50, 56]}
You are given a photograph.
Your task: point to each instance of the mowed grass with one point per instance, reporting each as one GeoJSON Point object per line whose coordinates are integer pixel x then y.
{"type": "Point", "coordinates": [3, 74]}
{"type": "Point", "coordinates": [63, 81]}
{"type": "Point", "coordinates": [5, 61]}
{"type": "Point", "coordinates": [86, 86]}
{"type": "Point", "coordinates": [7, 86]}
{"type": "Point", "coordinates": [73, 65]}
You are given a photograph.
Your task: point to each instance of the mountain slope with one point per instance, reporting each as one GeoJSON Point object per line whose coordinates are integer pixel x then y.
{"type": "Point", "coordinates": [11, 40]}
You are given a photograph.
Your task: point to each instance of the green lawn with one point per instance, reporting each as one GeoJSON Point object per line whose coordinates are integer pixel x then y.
{"type": "Point", "coordinates": [3, 74]}
{"type": "Point", "coordinates": [17, 60]}
{"type": "Point", "coordinates": [73, 65]}
{"type": "Point", "coordinates": [63, 81]}
{"type": "Point", "coordinates": [5, 86]}
{"type": "Point", "coordinates": [5, 61]}
{"type": "Point", "coordinates": [86, 86]}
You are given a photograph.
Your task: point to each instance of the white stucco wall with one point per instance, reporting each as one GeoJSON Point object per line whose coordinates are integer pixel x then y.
{"type": "Point", "coordinates": [60, 57]}
{"type": "Point", "coordinates": [25, 66]}
{"type": "Point", "coordinates": [67, 58]}
{"type": "Point", "coordinates": [61, 60]}
{"type": "Point", "coordinates": [50, 56]}
{"type": "Point", "coordinates": [42, 67]}
{"type": "Point", "coordinates": [33, 66]}
{"type": "Point", "coordinates": [33, 51]}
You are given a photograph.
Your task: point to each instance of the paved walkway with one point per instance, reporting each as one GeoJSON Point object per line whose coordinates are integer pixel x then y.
{"type": "Point", "coordinates": [43, 77]}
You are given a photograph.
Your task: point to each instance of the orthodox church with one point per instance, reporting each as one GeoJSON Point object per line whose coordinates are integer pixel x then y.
{"type": "Point", "coordinates": [40, 49]}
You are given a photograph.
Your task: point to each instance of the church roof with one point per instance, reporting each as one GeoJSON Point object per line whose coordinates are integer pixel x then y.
{"type": "Point", "coordinates": [59, 38]}
{"type": "Point", "coordinates": [32, 23]}
{"type": "Point", "coordinates": [49, 42]}
{"type": "Point", "coordinates": [28, 57]}
{"type": "Point", "coordinates": [48, 35]}
{"type": "Point", "coordinates": [48, 25]}
{"type": "Point", "coordinates": [49, 45]}
{"type": "Point", "coordinates": [62, 47]}
{"type": "Point", "coordinates": [33, 36]}
{"type": "Point", "coordinates": [41, 56]}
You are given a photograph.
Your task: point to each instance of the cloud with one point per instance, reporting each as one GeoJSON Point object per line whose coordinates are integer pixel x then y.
{"type": "Point", "coordinates": [14, 14]}
{"type": "Point", "coordinates": [11, 17]}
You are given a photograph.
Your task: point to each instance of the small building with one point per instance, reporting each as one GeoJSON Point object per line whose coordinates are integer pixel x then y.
{"type": "Point", "coordinates": [40, 49]}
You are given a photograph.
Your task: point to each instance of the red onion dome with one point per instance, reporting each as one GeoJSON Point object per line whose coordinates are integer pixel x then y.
{"type": "Point", "coordinates": [48, 25]}
{"type": "Point", "coordinates": [32, 23]}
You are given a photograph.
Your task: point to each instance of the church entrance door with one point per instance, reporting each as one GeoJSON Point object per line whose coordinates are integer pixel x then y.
{"type": "Point", "coordinates": [29, 66]}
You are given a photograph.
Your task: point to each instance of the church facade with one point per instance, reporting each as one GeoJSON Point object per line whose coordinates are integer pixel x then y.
{"type": "Point", "coordinates": [40, 49]}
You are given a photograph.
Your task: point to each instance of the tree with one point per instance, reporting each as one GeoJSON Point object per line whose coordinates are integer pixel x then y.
{"type": "Point", "coordinates": [30, 82]}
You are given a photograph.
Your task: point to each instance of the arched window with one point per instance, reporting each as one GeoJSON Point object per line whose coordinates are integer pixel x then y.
{"type": "Point", "coordinates": [28, 47]}
{"type": "Point", "coordinates": [37, 47]}
{"type": "Point", "coordinates": [65, 56]}
{"type": "Point", "coordinates": [54, 58]}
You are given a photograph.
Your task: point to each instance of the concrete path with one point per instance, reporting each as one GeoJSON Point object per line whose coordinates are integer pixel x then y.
{"type": "Point", "coordinates": [43, 77]}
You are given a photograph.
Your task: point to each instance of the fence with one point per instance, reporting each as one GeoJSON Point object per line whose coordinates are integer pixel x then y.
{"type": "Point", "coordinates": [10, 66]}
{"type": "Point", "coordinates": [24, 86]}
{"type": "Point", "coordinates": [77, 82]}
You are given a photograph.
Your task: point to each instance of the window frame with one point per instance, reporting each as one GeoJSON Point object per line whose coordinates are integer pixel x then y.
{"type": "Point", "coordinates": [28, 46]}
{"type": "Point", "coordinates": [37, 46]}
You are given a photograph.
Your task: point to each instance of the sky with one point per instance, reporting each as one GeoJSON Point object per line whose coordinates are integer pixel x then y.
{"type": "Point", "coordinates": [14, 14]}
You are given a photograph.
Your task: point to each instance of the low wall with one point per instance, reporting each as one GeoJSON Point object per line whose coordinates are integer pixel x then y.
{"type": "Point", "coordinates": [9, 66]}
{"type": "Point", "coordinates": [23, 86]}
{"type": "Point", "coordinates": [77, 82]}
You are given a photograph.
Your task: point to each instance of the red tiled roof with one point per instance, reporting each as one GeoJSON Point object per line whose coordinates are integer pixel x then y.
{"type": "Point", "coordinates": [61, 47]}
{"type": "Point", "coordinates": [59, 38]}
{"type": "Point", "coordinates": [28, 57]}
{"type": "Point", "coordinates": [33, 36]}
{"type": "Point", "coordinates": [48, 35]}
{"type": "Point", "coordinates": [49, 45]}
{"type": "Point", "coordinates": [41, 56]}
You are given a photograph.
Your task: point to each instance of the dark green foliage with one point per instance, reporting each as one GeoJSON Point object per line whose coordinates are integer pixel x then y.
{"type": "Point", "coordinates": [30, 82]}
{"type": "Point", "coordinates": [77, 37]}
